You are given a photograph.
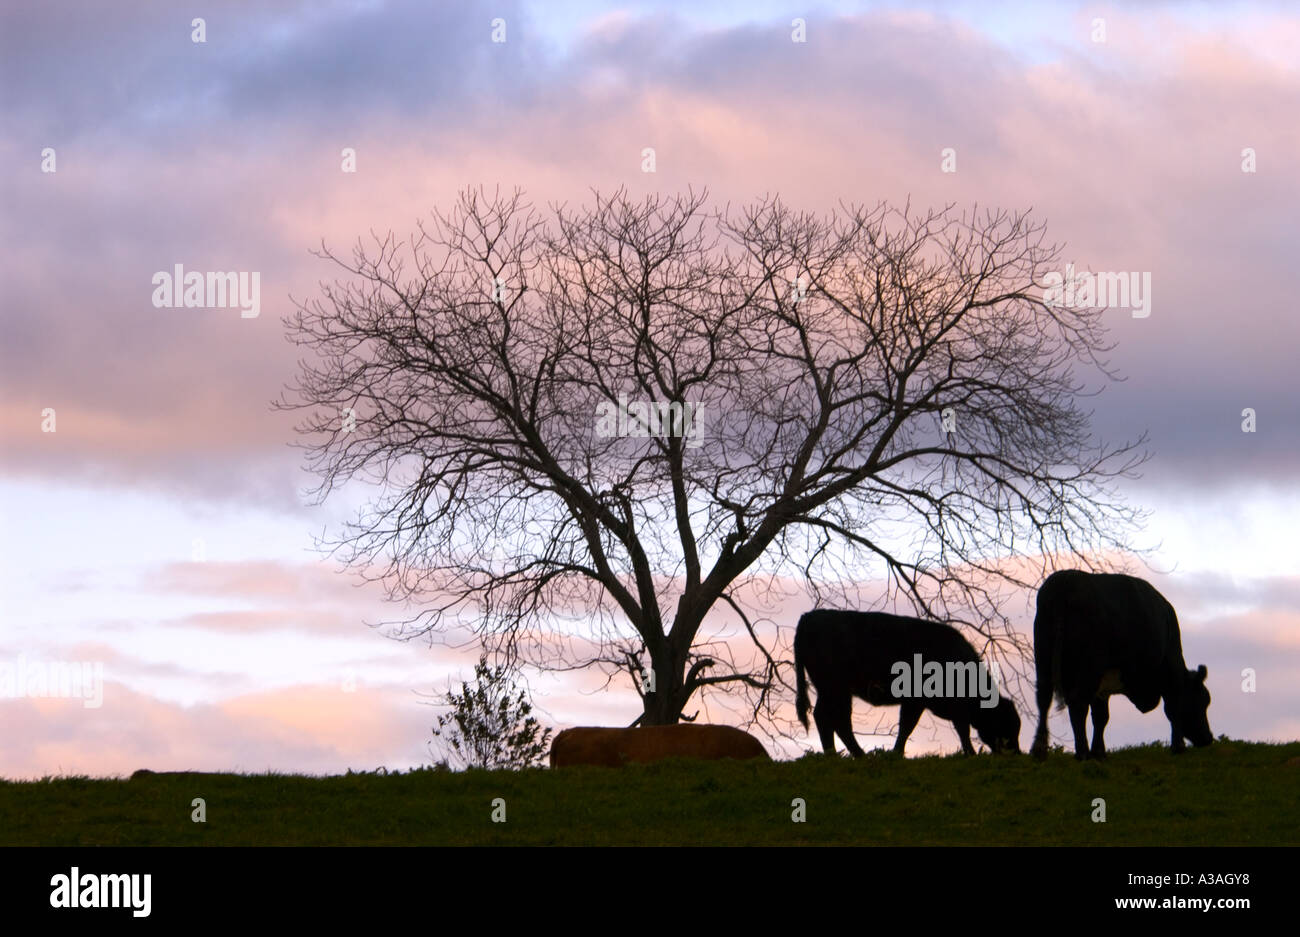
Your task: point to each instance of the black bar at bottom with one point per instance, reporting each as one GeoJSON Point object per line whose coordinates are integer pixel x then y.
{"type": "Point", "coordinates": [330, 885]}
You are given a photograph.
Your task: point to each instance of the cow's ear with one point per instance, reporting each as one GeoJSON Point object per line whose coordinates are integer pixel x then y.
{"type": "Point", "coordinates": [1202, 672]}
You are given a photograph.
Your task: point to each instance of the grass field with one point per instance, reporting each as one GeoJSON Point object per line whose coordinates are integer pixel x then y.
{"type": "Point", "coordinates": [1233, 793]}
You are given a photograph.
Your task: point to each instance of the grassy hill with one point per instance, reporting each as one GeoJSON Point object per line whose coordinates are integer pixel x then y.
{"type": "Point", "coordinates": [1233, 793]}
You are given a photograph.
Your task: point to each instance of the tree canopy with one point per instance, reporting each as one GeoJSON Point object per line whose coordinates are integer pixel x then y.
{"type": "Point", "coordinates": [616, 436]}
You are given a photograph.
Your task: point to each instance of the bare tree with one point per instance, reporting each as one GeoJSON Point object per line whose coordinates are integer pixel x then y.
{"type": "Point", "coordinates": [643, 414]}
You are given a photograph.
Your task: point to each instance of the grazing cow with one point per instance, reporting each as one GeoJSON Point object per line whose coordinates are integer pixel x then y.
{"type": "Point", "coordinates": [1097, 634]}
{"type": "Point", "coordinates": [598, 745]}
{"type": "Point", "coordinates": [875, 656]}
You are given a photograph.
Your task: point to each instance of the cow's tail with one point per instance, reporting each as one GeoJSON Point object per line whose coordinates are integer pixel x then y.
{"type": "Point", "coordinates": [800, 681]}
{"type": "Point", "coordinates": [1047, 663]}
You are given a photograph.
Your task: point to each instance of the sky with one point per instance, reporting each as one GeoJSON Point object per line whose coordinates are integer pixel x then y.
{"type": "Point", "coordinates": [162, 532]}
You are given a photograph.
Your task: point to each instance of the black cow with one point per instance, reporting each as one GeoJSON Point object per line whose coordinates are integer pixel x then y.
{"type": "Point", "coordinates": [850, 654]}
{"type": "Point", "coordinates": [1096, 634]}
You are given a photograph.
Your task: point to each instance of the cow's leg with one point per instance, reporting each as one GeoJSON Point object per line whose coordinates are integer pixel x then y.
{"type": "Point", "coordinates": [834, 716]}
{"type": "Point", "coordinates": [822, 715]}
{"type": "Point", "coordinates": [846, 729]}
{"type": "Point", "coordinates": [851, 743]}
{"type": "Point", "coordinates": [908, 716]}
{"type": "Point", "coordinates": [1079, 723]}
{"type": "Point", "coordinates": [1100, 716]}
{"type": "Point", "coordinates": [1039, 749]}
{"type": "Point", "coordinates": [1176, 743]}
{"type": "Point", "coordinates": [963, 733]}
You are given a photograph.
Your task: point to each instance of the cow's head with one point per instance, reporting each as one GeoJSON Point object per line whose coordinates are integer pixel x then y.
{"type": "Point", "coordinates": [1188, 712]}
{"type": "Point", "coordinates": [1000, 728]}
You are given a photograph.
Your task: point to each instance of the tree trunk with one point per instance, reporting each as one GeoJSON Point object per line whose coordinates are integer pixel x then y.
{"type": "Point", "coordinates": [664, 706]}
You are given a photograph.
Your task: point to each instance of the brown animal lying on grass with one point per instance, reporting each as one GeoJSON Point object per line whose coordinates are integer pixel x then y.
{"type": "Point", "coordinates": [595, 745]}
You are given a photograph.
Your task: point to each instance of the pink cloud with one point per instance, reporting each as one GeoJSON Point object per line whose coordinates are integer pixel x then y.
{"type": "Point", "coordinates": [303, 729]}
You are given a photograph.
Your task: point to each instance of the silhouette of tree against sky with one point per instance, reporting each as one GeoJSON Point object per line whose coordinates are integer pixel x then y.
{"type": "Point", "coordinates": [876, 396]}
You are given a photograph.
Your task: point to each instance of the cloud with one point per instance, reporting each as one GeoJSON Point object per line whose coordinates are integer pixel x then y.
{"type": "Point", "coordinates": [139, 72]}
{"type": "Point", "coordinates": [1116, 156]}
{"type": "Point", "coordinates": [306, 729]}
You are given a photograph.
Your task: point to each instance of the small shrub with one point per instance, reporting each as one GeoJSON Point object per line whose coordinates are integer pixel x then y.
{"type": "Point", "coordinates": [491, 724]}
